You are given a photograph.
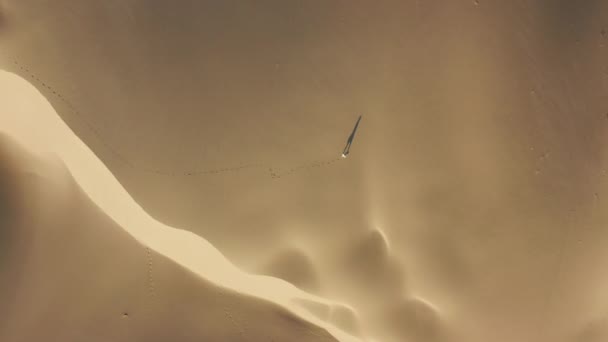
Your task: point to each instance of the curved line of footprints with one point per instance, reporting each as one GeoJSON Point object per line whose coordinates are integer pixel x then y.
{"type": "Point", "coordinates": [151, 288]}
{"type": "Point", "coordinates": [275, 173]}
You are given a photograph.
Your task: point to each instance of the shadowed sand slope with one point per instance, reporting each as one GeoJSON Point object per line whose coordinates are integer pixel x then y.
{"type": "Point", "coordinates": [295, 267]}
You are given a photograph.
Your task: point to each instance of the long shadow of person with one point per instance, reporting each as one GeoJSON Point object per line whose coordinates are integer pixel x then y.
{"type": "Point", "coordinates": [349, 142]}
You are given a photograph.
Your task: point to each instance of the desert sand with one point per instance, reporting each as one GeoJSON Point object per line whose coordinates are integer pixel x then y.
{"type": "Point", "coordinates": [171, 171]}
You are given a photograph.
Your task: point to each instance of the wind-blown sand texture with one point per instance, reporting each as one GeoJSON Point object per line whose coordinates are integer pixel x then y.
{"type": "Point", "coordinates": [171, 171]}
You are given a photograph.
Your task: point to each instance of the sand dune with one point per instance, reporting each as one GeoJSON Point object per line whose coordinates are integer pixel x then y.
{"type": "Point", "coordinates": [470, 208]}
{"type": "Point", "coordinates": [65, 253]}
{"type": "Point", "coordinates": [72, 274]}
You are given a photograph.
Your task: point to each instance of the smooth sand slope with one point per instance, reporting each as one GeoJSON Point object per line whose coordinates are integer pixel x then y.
{"type": "Point", "coordinates": [471, 207]}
